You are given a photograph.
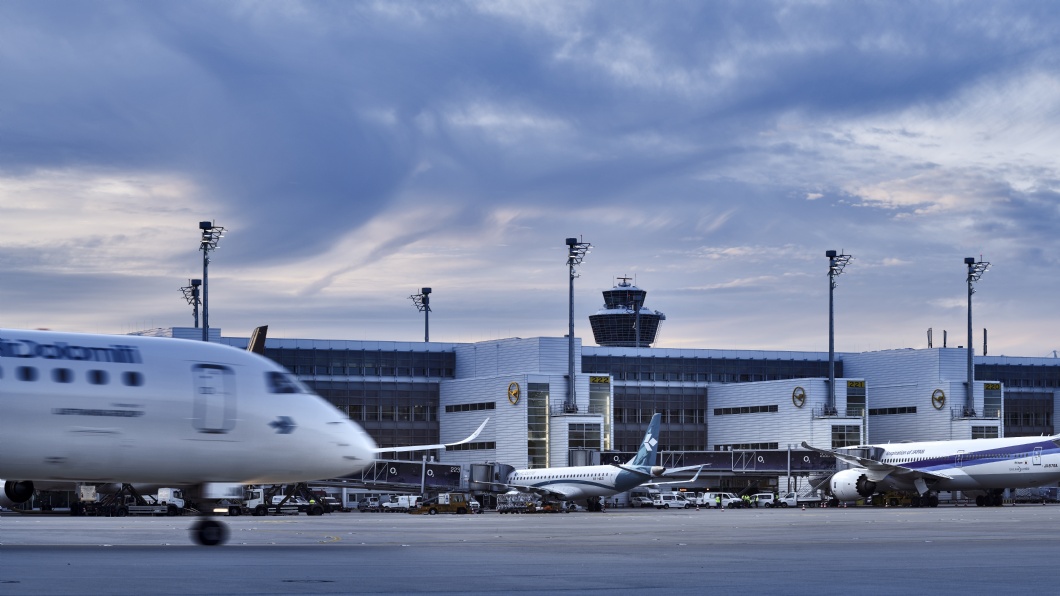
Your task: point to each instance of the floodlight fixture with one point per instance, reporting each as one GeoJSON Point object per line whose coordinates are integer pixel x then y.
{"type": "Point", "coordinates": [976, 269]}
{"type": "Point", "coordinates": [576, 251]}
{"type": "Point", "coordinates": [211, 235]}
{"type": "Point", "coordinates": [837, 262]}
{"type": "Point", "coordinates": [191, 294]}
{"type": "Point", "coordinates": [422, 302]}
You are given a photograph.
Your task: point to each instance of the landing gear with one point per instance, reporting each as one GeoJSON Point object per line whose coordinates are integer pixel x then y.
{"type": "Point", "coordinates": [992, 499]}
{"type": "Point", "coordinates": [209, 532]}
{"type": "Point", "coordinates": [206, 530]}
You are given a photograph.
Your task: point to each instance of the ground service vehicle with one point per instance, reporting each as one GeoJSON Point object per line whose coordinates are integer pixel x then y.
{"type": "Point", "coordinates": [794, 499]}
{"type": "Point", "coordinates": [261, 501]}
{"type": "Point", "coordinates": [640, 502]}
{"type": "Point", "coordinates": [763, 500]}
{"type": "Point", "coordinates": [401, 503]}
{"type": "Point", "coordinates": [728, 500]}
{"type": "Point", "coordinates": [127, 501]}
{"type": "Point", "coordinates": [670, 501]}
{"type": "Point", "coordinates": [445, 503]}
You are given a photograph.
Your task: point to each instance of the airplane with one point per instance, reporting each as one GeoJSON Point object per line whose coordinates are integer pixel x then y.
{"type": "Point", "coordinates": [982, 467]}
{"type": "Point", "coordinates": [100, 409]}
{"type": "Point", "coordinates": [593, 482]}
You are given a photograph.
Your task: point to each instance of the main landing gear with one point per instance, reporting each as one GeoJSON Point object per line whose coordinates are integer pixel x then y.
{"type": "Point", "coordinates": [209, 532]}
{"type": "Point", "coordinates": [206, 531]}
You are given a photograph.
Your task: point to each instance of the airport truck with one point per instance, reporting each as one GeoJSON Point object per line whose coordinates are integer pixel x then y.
{"type": "Point", "coordinates": [794, 499]}
{"type": "Point", "coordinates": [258, 500]}
{"type": "Point", "coordinates": [402, 503]}
{"type": "Point", "coordinates": [127, 501]}
{"type": "Point", "coordinates": [459, 503]}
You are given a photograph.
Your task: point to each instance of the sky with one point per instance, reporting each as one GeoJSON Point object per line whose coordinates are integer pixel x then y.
{"type": "Point", "coordinates": [356, 152]}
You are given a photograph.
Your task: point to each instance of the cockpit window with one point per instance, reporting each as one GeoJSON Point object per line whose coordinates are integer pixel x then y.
{"type": "Point", "coordinates": [281, 382]}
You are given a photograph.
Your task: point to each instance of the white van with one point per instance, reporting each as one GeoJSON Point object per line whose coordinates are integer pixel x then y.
{"type": "Point", "coordinates": [670, 501]}
{"type": "Point", "coordinates": [727, 500]}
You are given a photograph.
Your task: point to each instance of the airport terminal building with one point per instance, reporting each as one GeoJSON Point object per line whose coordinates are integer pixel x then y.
{"type": "Point", "coordinates": [725, 404]}
{"type": "Point", "coordinates": [711, 400]}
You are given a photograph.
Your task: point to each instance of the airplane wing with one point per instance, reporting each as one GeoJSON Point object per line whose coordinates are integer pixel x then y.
{"type": "Point", "coordinates": [473, 436]}
{"type": "Point", "coordinates": [693, 479]}
{"type": "Point", "coordinates": [553, 492]}
{"type": "Point", "coordinates": [878, 470]}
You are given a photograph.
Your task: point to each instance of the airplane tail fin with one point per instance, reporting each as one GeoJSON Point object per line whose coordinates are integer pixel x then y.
{"type": "Point", "coordinates": [648, 453]}
{"type": "Point", "coordinates": [257, 340]}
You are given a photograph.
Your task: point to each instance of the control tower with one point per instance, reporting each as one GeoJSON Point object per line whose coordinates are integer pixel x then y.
{"type": "Point", "coordinates": [623, 321]}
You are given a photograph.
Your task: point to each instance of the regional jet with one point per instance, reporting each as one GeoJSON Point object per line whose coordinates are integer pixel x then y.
{"type": "Point", "coordinates": [97, 409]}
{"type": "Point", "coordinates": [593, 482]}
{"type": "Point", "coordinates": [982, 467]}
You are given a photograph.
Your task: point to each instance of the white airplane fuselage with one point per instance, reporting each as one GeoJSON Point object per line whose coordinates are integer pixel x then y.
{"type": "Point", "coordinates": [579, 482]}
{"type": "Point", "coordinates": [964, 465]}
{"type": "Point", "coordinates": [102, 408]}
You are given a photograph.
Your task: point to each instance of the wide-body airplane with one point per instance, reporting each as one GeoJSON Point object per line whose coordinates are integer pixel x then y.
{"type": "Point", "coordinates": [97, 409]}
{"type": "Point", "coordinates": [593, 482]}
{"type": "Point", "coordinates": [981, 467]}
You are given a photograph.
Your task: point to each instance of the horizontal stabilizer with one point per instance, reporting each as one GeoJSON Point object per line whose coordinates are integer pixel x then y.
{"type": "Point", "coordinates": [693, 479]}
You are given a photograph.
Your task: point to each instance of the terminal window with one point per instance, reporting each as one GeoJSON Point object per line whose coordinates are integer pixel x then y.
{"type": "Point", "coordinates": [845, 435]}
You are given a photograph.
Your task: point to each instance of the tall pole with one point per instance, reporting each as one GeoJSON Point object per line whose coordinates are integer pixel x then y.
{"type": "Point", "coordinates": [205, 294]}
{"type": "Point", "coordinates": [576, 252]}
{"type": "Point", "coordinates": [211, 235]}
{"type": "Point", "coordinates": [191, 294]}
{"type": "Point", "coordinates": [975, 271]}
{"type": "Point", "coordinates": [836, 263]}
{"type": "Point", "coordinates": [422, 302]}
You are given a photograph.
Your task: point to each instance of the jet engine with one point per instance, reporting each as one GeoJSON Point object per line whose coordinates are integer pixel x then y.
{"type": "Point", "coordinates": [851, 485]}
{"type": "Point", "coordinates": [657, 471]}
{"type": "Point", "coordinates": [18, 491]}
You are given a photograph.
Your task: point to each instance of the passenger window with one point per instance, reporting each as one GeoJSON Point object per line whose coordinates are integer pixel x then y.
{"type": "Point", "coordinates": [62, 375]}
{"type": "Point", "coordinates": [279, 382]}
{"type": "Point", "coordinates": [26, 373]}
{"type": "Point", "coordinates": [98, 377]}
{"type": "Point", "coordinates": [132, 378]}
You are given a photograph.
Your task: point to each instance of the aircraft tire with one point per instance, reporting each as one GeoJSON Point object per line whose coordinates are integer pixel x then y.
{"type": "Point", "coordinates": [209, 532]}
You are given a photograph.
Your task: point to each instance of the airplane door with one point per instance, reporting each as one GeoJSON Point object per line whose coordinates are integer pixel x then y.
{"type": "Point", "coordinates": [958, 459]}
{"type": "Point", "coordinates": [215, 398]}
{"type": "Point", "coordinates": [1036, 457]}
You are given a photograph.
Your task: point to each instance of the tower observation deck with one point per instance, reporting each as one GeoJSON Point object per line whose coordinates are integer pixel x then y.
{"type": "Point", "coordinates": [623, 321]}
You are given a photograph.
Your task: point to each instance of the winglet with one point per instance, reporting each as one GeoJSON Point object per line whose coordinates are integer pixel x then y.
{"type": "Point", "coordinates": [473, 436]}
{"type": "Point", "coordinates": [408, 448]}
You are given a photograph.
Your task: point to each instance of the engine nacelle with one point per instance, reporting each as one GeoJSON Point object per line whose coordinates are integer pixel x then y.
{"type": "Point", "coordinates": [657, 471]}
{"type": "Point", "coordinates": [851, 485]}
{"type": "Point", "coordinates": [18, 491]}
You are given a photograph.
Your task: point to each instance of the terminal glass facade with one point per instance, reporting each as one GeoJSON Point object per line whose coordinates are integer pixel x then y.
{"type": "Point", "coordinates": [537, 395]}
{"type": "Point", "coordinates": [600, 403]}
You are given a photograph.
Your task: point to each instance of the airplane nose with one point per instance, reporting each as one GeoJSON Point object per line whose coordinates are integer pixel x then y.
{"type": "Point", "coordinates": [356, 447]}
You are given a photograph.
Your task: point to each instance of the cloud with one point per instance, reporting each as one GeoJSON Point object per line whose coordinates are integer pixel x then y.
{"type": "Point", "coordinates": [359, 151]}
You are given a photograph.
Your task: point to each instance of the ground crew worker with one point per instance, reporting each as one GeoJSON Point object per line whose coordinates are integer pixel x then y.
{"type": "Point", "coordinates": [717, 499]}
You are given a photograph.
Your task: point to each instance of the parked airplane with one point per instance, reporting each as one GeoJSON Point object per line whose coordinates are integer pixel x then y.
{"type": "Point", "coordinates": [593, 482]}
{"type": "Point", "coordinates": [982, 467]}
{"type": "Point", "coordinates": [79, 408]}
